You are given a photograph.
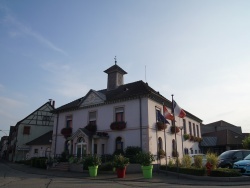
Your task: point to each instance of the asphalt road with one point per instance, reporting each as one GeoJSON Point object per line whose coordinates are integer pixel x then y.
{"type": "Point", "coordinates": [13, 178]}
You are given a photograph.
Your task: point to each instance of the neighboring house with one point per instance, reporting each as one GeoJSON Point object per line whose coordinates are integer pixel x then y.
{"type": "Point", "coordinates": [109, 120]}
{"type": "Point", "coordinates": [218, 126]}
{"type": "Point", "coordinates": [221, 136]}
{"type": "Point", "coordinates": [41, 146]}
{"type": "Point", "coordinates": [33, 126]}
{"type": "Point", "coordinates": [11, 143]}
{"type": "Point", "coordinates": [3, 147]}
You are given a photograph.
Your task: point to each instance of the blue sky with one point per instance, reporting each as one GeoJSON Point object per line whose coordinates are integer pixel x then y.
{"type": "Point", "coordinates": [196, 50]}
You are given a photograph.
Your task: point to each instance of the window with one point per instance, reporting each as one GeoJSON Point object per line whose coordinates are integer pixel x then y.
{"type": "Point", "coordinates": [184, 126]}
{"type": "Point", "coordinates": [103, 149]}
{"type": "Point", "coordinates": [190, 128]}
{"type": "Point", "coordinates": [194, 129]}
{"type": "Point", "coordinates": [92, 118]}
{"type": "Point", "coordinates": [119, 143]}
{"type": "Point", "coordinates": [186, 151]}
{"type": "Point", "coordinates": [69, 122]}
{"type": "Point", "coordinates": [198, 131]}
{"type": "Point", "coordinates": [160, 143]}
{"type": "Point", "coordinates": [35, 151]}
{"type": "Point", "coordinates": [26, 130]}
{"type": "Point", "coordinates": [119, 114]}
{"type": "Point", "coordinates": [95, 148]}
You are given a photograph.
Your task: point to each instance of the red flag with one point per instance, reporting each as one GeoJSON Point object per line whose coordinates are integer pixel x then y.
{"type": "Point", "coordinates": [178, 111]}
{"type": "Point", "coordinates": [166, 113]}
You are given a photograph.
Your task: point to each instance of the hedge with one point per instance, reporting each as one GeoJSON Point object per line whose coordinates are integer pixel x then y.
{"type": "Point", "coordinates": [225, 172]}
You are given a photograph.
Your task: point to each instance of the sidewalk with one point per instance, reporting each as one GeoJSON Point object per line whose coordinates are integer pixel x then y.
{"type": "Point", "coordinates": [158, 177]}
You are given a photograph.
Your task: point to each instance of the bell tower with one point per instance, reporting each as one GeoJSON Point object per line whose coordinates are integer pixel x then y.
{"type": "Point", "coordinates": [115, 76]}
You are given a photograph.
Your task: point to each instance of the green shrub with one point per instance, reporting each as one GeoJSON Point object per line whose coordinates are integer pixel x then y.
{"type": "Point", "coordinates": [131, 152]}
{"type": "Point", "coordinates": [170, 162]}
{"type": "Point", "coordinates": [190, 171]}
{"type": "Point", "coordinates": [145, 158]}
{"type": "Point", "coordinates": [120, 161]}
{"type": "Point", "coordinates": [225, 172]}
{"type": "Point", "coordinates": [42, 162]}
{"type": "Point", "coordinates": [92, 160]}
{"type": "Point", "coordinates": [198, 161]}
{"type": "Point", "coordinates": [213, 159]}
{"type": "Point", "coordinates": [186, 161]}
{"type": "Point", "coordinates": [118, 152]}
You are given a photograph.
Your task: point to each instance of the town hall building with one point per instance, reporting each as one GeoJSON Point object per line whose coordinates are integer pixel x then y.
{"type": "Point", "coordinates": [122, 115]}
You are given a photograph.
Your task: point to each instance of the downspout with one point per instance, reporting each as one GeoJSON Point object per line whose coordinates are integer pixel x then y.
{"type": "Point", "coordinates": [57, 118]}
{"type": "Point", "coordinates": [140, 109]}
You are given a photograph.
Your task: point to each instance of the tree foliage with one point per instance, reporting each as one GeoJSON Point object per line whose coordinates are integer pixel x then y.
{"type": "Point", "coordinates": [246, 142]}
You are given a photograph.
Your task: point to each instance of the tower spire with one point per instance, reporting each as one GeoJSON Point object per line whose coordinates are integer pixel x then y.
{"type": "Point", "coordinates": [115, 60]}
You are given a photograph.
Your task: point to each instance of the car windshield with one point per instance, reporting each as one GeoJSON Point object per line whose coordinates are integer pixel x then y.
{"type": "Point", "coordinates": [247, 157]}
{"type": "Point", "coordinates": [226, 154]}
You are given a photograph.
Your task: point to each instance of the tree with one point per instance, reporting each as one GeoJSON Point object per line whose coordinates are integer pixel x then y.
{"type": "Point", "coordinates": [246, 142]}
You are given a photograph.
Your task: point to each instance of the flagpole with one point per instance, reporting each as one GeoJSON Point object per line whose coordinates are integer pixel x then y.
{"type": "Point", "coordinates": [177, 161]}
{"type": "Point", "coordinates": [157, 138]}
{"type": "Point", "coordinates": [165, 145]}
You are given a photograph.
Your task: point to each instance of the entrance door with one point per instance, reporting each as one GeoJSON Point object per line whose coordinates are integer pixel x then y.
{"type": "Point", "coordinates": [81, 147]}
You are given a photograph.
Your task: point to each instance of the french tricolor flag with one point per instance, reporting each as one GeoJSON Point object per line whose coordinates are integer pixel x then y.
{"type": "Point", "coordinates": [167, 114]}
{"type": "Point", "coordinates": [178, 111]}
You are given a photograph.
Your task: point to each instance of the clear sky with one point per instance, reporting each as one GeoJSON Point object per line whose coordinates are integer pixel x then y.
{"type": "Point", "coordinates": [195, 49]}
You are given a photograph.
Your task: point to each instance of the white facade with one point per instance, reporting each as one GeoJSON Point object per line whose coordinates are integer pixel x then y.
{"type": "Point", "coordinates": [145, 136]}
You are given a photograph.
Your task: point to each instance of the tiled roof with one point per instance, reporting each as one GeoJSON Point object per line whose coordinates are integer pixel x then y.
{"type": "Point", "coordinates": [115, 68]}
{"type": "Point", "coordinates": [125, 92]}
{"type": "Point", "coordinates": [45, 139]}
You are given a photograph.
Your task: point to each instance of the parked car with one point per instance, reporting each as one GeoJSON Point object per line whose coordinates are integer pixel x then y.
{"type": "Point", "coordinates": [204, 158]}
{"type": "Point", "coordinates": [228, 158]}
{"type": "Point", "coordinates": [243, 166]}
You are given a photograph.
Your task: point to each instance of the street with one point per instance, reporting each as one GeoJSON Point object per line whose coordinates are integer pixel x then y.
{"type": "Point", "coordinates": [15, 178]}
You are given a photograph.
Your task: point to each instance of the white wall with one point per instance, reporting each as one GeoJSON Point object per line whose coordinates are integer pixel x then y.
{"type": "Point", "coordinates": [131, 134]}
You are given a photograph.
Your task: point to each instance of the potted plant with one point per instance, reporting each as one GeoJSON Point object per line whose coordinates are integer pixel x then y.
{"type": "Point", "coordinates": [191, 138]}
{"type": "Point", "coordinates": [120, 163]}
{"type": "Point", "coordinates": [174, 129]}
{"type": "Point", "coordinates": [161, 153]}
{"type": "Point", "coordinates": [66, 132]}
{"type": "Point", "coordinates": [92, 162]}
{"type": "Point", "coordinates": [118, 125]}
{"type": "Point", "coordinates": [161, 126]}
{"type": "Point", "coordinates": [145, 159]}
{"type": "Point", "coordinates": [91, 127]}
{"type": "Point", "coordinates": [186, 136]}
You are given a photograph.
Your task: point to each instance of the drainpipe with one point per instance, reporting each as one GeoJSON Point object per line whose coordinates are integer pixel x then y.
{"type": "Point", "coordinates": [57, 118]}
{"type": "Point", "coordinates": [140, 123]}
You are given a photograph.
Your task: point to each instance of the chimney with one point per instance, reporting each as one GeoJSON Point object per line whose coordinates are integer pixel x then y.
{"type": "Point", "coordinates": [52, 102]}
